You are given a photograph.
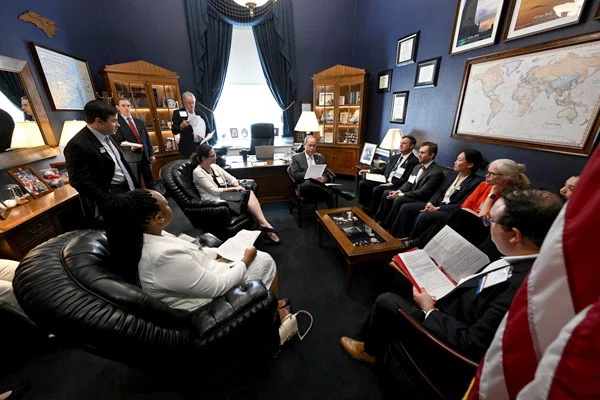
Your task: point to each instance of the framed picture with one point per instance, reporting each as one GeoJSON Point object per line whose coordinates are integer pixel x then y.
{"type": "Point", "coordinates": [52, 177]}
{"type": "Point", "coordinates": [276, 132]}
{"type": "Point", "coordinates": [545, 96]}
{"type": "Point", "coordinates": [529, 17]}
{"type": "Point", "coordinates": [384, 81]}
{"type": "Point", "coordinates": [30, 180]}
{"type": "Point", "coordinates": [244, 133]}
{"type": "Point", "coordinates": [368, 153]}
{"type": "Point", "coordinates": [427, 72]}
{"type": "Point", "coordinates": [306, 106]}
{"type": "Point", "coordinates": [4, 210]}
{"type": "Point", "coordinates": [344, 117]}
{"type": "Point", "coordinates": [475, 24]}
{"type": "Point", "coordinates": [325, 98]}
{"type": "Point", "coordinates": [67, 79]}
{"type": "Point", "coordinates": [406, 50]}
{"type": "Point", "coordinates": [399, 104]}
{"type": "Point", "coordinates": [62, 169]}
{"type": "Point", "coordinates": [233, 132]}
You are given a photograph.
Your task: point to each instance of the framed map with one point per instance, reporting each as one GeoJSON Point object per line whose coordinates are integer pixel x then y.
{"type": "Point", "coordinates": [544, 96]}
{"type": "Point", "coordinates": [67, 79]}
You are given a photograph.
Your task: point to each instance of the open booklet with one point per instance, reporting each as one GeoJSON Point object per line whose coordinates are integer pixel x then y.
{"type": "Point", "coordinates": [233, 248]}
{"type": "Point", "coordinates": [456, 260]}
{"type": "Point", "coordinates": [375, 177]}
{"type": "Point", "coordinates": [125, 143]}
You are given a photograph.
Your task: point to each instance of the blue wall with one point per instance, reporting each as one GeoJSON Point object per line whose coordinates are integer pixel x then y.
{"type": "Point", "coordinates": [431, 111]}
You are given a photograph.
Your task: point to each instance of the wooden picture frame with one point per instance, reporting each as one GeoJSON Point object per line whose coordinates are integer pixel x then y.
{"type": "Point", "coordinates": [516, 110]}
{"type": "Point", "coordinates": [427, 72]}
{"type": "Point", "coordinates": [59, 70]}
{"type": "Point", "coordinates": [539, 16]}
{"type": "Point", "coordinates": [30, 180]}
{"type": "Point", "coordinates": [399, 106]}
{"type": "Point", "coordinates": [406, 49]}
{"type": "Point", "coordinates": [384, 81]}
{"type": "Point", "coordinates": [467, 33]}
{"type": "Point", "coordinates": [4, 210]}
{"type": "Point", "coordinates": [62, 170]}
{"type": "Point", "coordinates": [366, 157]}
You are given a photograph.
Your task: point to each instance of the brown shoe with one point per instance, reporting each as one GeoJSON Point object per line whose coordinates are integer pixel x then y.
{"type": "Point", "coordinates": [356, 350]}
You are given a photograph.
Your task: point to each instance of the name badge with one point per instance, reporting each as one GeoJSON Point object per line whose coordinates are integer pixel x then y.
{"type": "Point", "coordinates": [399, 172]}
{"type": "Point", "coordinates": [220, 180]}
{"type": "Point", "coordinates": [494, 278]}
{"type": "Point", "coordinates": [183, 114]}
{"type": "Point", "coordinates": [412, 179]}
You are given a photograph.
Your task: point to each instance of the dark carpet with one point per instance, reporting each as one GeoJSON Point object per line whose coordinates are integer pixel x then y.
{"type": "Point", "coordinates": [313, 277]}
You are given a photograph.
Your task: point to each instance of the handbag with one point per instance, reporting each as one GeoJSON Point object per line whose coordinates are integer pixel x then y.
{"type": "Point", "coordinates": [289, 327]}
{"type": "Point", "coordinates": [235, 201]}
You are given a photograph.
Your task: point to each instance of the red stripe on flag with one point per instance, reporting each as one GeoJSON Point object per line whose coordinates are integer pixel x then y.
{"type": "Point", "coordinates": [474, 392]}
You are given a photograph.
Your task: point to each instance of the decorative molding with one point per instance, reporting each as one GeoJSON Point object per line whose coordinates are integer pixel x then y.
{"type": "Point", "coordinates": [139, 67]}
{"type": "Point", "coordinates": [340, 70]}
{"type": "Point", "coordinates": [45, 24]}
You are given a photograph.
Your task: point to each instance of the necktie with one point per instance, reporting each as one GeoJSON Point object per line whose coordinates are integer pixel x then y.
{"type": "Point", "coordinates": [117, 156]}
{"type": "Point", "coordinates": [421, 170]}
{"type": "Point", "coordinates": [311, 160]}
{"type": "Point", "coordinates": [134, 130]}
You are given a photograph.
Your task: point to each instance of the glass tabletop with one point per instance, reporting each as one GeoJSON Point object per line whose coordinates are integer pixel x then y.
{"type": "Point", "coordinates": [356, 230]}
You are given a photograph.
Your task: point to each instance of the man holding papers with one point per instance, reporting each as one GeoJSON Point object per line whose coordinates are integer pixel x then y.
{"type": "Point", "coordinates": [467, 317]}
{"type": "Point", "coordinates": [314, 189]}
{"type": "Point", "coordinates": [189, 124]}
{"type": "Point", "coordinates": [397, 171]}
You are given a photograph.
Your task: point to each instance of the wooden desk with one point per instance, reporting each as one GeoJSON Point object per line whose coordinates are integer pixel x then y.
{"type": "Point", "coordinates": [274, 184]}
{"type": "Point", "coordinates": [39, 220]}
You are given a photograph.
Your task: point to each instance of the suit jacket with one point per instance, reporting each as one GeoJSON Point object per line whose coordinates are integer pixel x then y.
{"type": "Point", "coordinates": [408, 166]}
{"type": "Point", "coordinates": [91, 170]}
{"type": "Point", "coordinates": [466, 188]}
{"type": "Point", "coordinates": [468, 320]}
{"type": "Point", "coordinates": [300, 165]}
{"type": "Point", "coordinates": [124, 133]}
{"type": "Point", "coordinates": [428, 183]}
{"type": "Point", "coordinates": [186, 136]}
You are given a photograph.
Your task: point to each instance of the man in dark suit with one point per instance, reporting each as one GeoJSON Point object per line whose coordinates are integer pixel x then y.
{"type": "Point", "coordinates": [397, 171]}
{"type": "Point", "coordinates": [96, 165]}
{"type": "Point", "coordinates": [314, 190]}
{"type": "Point", "coordinates": [182, 118]}
{"type": "Point", "coordinates": [424, 180]}
{"type": "Point", "coordinates": [467, 317]}
{"type": "Point", "coordinates": [134, 130]}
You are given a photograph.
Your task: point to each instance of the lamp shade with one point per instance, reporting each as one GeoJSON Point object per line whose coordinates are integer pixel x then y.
{"type": "Point", "coordinates": [392, 139]}
{"type": "Point", "coordinates": [70, 129]}
{"type": "Point", "coordinates": [307, 122]}
{"type": "Point", "coordinates": [26, 135]}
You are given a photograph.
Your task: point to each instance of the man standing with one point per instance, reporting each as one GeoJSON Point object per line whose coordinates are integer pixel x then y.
{"type": "Point", "coordinates": [189, 124]}
{"type": "Point", "coordinates": [311, 190]}
{"type": "Point", "coordinates": [134, 130]}
{"type": "Point", "coordinates": [397, 171]}
{"type": "Point", "coordinates": [96, 165]}
{"type": "Point", "coordinates": [468, 317]}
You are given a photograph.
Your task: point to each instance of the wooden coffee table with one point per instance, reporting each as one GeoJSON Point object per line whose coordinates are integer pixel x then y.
{"type": "Point", "coordinates": [360, 239]}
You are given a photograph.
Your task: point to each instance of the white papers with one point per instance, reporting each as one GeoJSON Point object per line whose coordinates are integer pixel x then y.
{"type": "Point", "coordinates": [315, 171]}
{"type": "Point", "coordinates": [198, 125]}
{"type": "Point", "coordinates": [455, 254]}
{"type": "Point", "coordinates": [333, 184]}
{"type": "Point", "coordinates": [208, 137]}
{"type": "Point", "coordinates": [405, 52]}
{"type": "Point", "coordinates": [375, 177]}
{"type": "Point", "coordinates": [426, 274]}
{"type": "Point", "coordinates": [125, 143]}
{"type": "Point", "coordinates": [233, 249]}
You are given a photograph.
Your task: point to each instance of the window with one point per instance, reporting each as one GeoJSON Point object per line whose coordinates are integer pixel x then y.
{"type": "Point", "coordinates": [15, 112]}
{"type": "Point", "coordinates": [246, 97]}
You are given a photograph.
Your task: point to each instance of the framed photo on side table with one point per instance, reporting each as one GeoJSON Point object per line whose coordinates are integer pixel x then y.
{"type": "Point", "coordinates": [4, 210]}
{"type": "Point", "coordinates": [384, 81]}
{"type": "Point", "coordinates": [368, 153]}
{"type": "Point", "coordinates": [234, 133]}
{"type": "Point", "coordinates": [30, 180]}
{"type": "Point", "coordinates": [62, 170]}
{"type": "Point", "coordinates": [427, 72]}
{"type": "Point", "coordinates": [470, 33]}
{"type": "Point", "coordinates": [399, 104]}
{"type": "Point", "coordinates": [406, 50]}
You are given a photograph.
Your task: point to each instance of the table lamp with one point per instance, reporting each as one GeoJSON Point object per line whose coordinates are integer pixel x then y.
{"type": "Point", "coordinates": [26, 135]}
{"type": "Point", "coordinates": [307, 123]}
{"type": "Point", "coordinates": [392, 140]}
{"type": "Point", "coordinates": [70, 129]}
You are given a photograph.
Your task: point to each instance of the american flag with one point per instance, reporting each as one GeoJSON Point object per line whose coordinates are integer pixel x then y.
{"type": "Point", "coordinates": [548, 345]}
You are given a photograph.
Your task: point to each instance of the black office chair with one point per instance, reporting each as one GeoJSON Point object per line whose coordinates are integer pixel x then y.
{"type": "Point", "coordinates": [261, 134]}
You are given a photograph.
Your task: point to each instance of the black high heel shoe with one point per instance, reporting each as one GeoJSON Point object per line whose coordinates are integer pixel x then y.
{"type": "Point", "coordinates": [19, 390]}
{"type": "Point", "coordinates": [266, 229]}
{"type": "Point", "coordinates": [270, 240]}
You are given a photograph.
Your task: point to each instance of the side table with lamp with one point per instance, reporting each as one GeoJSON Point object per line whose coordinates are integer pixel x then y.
{"type": "Point", "coordinates": [389, 145]}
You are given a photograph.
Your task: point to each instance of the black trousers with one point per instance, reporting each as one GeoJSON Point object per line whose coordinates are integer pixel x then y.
{"type": "Point", "coordinates": [145, 171]}
{"type": "Point", "coordinates": [405, 221]}
{"type": "Point", "coordinates": [394, 207]}
{"type": "Point", "coordinates": [317, 192]}
{"type": "Point", "coordinates": [425, 220]}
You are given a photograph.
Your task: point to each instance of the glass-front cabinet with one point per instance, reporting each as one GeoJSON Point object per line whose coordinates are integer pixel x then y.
{"type": "Point", "coordinates": [339, 99]}
{"type": "Point", "coordinates": [154, 96]}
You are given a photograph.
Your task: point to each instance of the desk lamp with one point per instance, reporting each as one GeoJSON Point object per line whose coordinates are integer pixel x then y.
{"type": "Point", "coordinates": [391, 141]}
{"type": "Point", "coordinates": [70, 129]}
{"type": "Point", "coordinates": [307, 123]}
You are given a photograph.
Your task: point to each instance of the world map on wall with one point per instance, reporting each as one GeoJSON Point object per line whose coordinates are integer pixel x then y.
{"type": "Point", "coordinates": [548, 97]}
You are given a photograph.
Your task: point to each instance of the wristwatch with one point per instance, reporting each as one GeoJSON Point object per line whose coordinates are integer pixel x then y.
{"type": "Point", "coordinates": [492, 196]}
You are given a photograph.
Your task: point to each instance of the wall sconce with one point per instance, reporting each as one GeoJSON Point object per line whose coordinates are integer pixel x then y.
{"type": "Point", "coordinates": [70, 129]}
{"type": "Point", "coordinates": [26, 135]}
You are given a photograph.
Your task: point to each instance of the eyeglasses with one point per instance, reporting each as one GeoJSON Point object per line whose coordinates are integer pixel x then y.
{"type": "Point", "coordinates": [493, 174]}
{"type": "Point", "coordinates": [487, 221]}
{"type": "Point", "coordinates": [212, 156]}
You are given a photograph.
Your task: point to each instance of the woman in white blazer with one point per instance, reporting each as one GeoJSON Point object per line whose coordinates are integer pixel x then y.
{"type": "Point", "coordinates": [211, 180]}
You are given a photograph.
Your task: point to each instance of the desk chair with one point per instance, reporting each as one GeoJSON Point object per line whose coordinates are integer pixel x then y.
{"type": "Point", "coordinates": [261, 134]}
{"type": "Point", "coordinates": [298, 201]}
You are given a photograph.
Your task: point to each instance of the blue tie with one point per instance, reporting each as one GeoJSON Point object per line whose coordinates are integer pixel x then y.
{"type": "Point", "coordinates": [115, 153]}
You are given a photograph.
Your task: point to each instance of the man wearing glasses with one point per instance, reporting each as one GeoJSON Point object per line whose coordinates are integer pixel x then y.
{"type": "Point", "coordinates": [468, 317]}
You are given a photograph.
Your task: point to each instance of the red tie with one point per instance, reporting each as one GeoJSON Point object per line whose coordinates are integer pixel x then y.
{"type": "Point", "coordinates": [134, 130]}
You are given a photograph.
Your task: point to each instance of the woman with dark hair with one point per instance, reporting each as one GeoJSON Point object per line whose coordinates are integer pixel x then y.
{"type": "Point", "coordinates": [211, 180]}
{"type": "Point", "coordinates": [454, 190]}
{"type": "Point", "coordinates": [177, 272]}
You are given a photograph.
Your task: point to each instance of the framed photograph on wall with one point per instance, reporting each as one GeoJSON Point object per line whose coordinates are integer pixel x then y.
{"type": "Point", "coordinates": [384, 81]}
{"type": "Point", "coordinates": [306, 106]}
{"type": "Point", "coordinates": [406, 50]}
{"type": "Point", "coordinates": [501, 103]}
{"type": "Point", "coordinates": [427, 72]}
{"type": "Point", "coordinates": [368, 153]}
{"type": "Point", "coordinates": [527, 17]}
{"type": "Point", "coordinates": [399, 105]}
{"type": "Point", "coordinates": [67, 79]}
{"type": "Point", "coordinates": [30, 180]}
{"type": "Point", "coordinates": [62, 169]}
{"type": "Point", "coordinates": [476, 26]}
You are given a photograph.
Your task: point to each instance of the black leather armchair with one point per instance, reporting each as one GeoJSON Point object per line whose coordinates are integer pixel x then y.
{"type": "Point", "coordinates": [261, 134]}
{"type": "Point", "coordinates": [299, 202]}
{"type": "Point", "coordinates": [65, 288]}
{"type": "Point", "coordinates": [209, 215]}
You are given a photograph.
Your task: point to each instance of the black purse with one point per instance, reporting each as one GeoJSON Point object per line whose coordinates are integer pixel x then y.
{"type": "Point", "coordinates": [236, 200]}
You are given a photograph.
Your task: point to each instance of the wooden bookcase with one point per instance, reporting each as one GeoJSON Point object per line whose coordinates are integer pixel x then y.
{"type": "Point", "coordinates": [154, 95]}
{"type": "Point", "coordinates": [339, 99]}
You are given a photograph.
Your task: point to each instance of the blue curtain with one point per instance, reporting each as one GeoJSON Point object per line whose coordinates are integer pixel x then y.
{"type": "Point", "coordinates": [210, 41]}
{"type": "Point", "coordinates": [275, 42]}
